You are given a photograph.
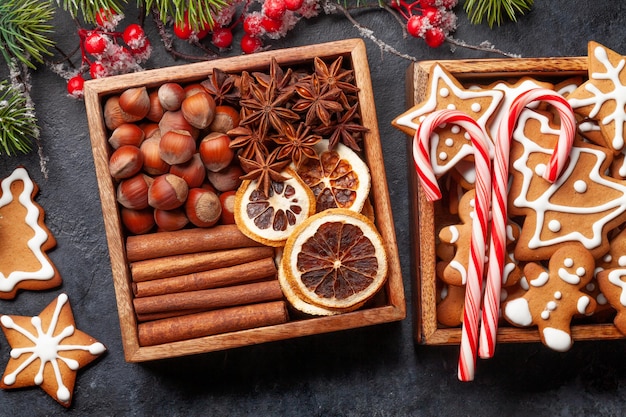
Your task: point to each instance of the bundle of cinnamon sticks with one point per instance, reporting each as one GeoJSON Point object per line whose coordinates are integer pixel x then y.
{"type": "Point", "coordinates": [202, 281]}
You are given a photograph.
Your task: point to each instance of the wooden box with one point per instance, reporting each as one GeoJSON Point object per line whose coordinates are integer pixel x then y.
{"type": "Point", "coordinates": [425, 216]}
{"type": "Point", "coordinates": [389, 305]}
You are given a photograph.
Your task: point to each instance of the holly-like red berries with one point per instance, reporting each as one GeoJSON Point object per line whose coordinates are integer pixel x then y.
{"type": "Point", "coordinates": [430, 20]}
{"type": "Point", "coordinates": [250, 44]}
{"type": "Point", "coordinates": [75, 86]}
{"type": "Point", "coordinates": [222, 37]}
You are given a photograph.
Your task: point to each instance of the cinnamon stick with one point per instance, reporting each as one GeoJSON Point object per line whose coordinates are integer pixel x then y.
{"type": "Point", "coordinates": [211, 323]}
{"type": "Point", "coordinates": [166, 314]}
{"type": "Point", "coordinates": [159, 244]}
{"type": "Point", "coordinates": [195, 262]}
{"type": "Point", "coordinates": [212, 299]}
{"type": "Point", "coordinates": [219, 277]}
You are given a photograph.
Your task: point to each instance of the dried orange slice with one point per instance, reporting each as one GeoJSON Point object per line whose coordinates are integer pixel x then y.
{"type": "Point", "coordinates": [340, 178]}
{"type": "Point", "coordinates": [335, 260]}
{"type": "Point", "coordinates": [271, 219]}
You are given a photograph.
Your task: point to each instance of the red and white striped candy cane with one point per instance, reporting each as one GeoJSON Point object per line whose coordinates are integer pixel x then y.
{"type": "Point", "coordinates": [476, 264]}
{"type": "Point", "coordinates": [491, 303]}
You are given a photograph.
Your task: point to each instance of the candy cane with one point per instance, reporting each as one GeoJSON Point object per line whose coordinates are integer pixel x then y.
{"type": "Point", "coordinates": [491, 306]}
{"type": "Point", "coordinates": [473, 285]}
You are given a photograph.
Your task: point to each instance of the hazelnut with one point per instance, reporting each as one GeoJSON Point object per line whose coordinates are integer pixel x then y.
{"type": "Point", "coordinates": [226, 179]}
{"type": "Point", "coordinates": [227, 200]}
{"type": "Point", "coordinates": [170, 220]}
{"type": "Point", "coordinates": [174, 120]}
{"type": "Point", "coordinates": [137, 221]}
{"type": "Point", "coordinates": [203, 207]}
{"type": "Point", "coordinates": [132, 192]}
{"type": "Point", "coordinates": [126, 134]}
{"type": "Point", "coordinates": [167, 192]}
{"type": "Point", "coordinates": [152, 162]}
{"type": "Point", "coordinates": [199, 110]}
{"type": "Point", "coordinates": [125, 162]}
{"type": "Point", "coordinates": [192, 171]}
{"type": "Point", "coordinates": [176, 147]}
{"type": "Point", "coordinates": [135, 102]}
{"type": "Point", "coordinates": [226, 118]}
{"type": "Point", "coordinates": [171, 95]}
{"type": "Point", "coordinates": [156, 109]}
{"type": "Point", "coordinates": [215, 151]}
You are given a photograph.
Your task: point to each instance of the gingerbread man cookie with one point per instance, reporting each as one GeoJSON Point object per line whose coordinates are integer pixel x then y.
{"type": "Point", "coordinates": [612, 283]}
{"type": "Point", "coordinates": [554, 296]}
{"type": "Point", "coordinates": [24, 262]}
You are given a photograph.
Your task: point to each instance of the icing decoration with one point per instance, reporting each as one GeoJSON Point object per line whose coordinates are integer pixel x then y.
{"type": "Point", "coordinates": [543, 203]}
{"type": "Point", "coordinates": [603, 96]}
{"type": "Point", "coordinates": [47, 350]}
{"type": "Point", "coordinates": [30, 223]}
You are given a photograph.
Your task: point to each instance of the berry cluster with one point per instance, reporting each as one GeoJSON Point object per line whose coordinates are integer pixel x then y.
{"type": "Point", "coordinates": [273, 20]}
{"type": "Point", "coordinates": [431, 20]}
{"type": "Point", "coordinates": [105, 51]}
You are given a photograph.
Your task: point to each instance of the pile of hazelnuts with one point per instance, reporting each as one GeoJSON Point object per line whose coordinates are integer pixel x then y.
{"type": "Point", "coordinates": [171, 158]}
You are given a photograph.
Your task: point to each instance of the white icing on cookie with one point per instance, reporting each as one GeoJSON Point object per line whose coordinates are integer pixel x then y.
{"type": "Point", "coordinates": [46, 272]}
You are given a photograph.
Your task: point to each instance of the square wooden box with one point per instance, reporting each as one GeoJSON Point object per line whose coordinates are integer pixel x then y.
{"type": "Point", "coordinates": [388, 307]}
{"type": "Point", "coordinates": [425, 217]}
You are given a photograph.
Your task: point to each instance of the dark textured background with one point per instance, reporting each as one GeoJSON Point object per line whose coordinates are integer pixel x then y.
{"type": "Point", "coordinates": [376, 371]}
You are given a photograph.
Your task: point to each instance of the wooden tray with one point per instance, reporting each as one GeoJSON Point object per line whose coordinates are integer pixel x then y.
{"type": "Point", "coordinates": [423, 213]}
{"type": "Point", "coordinates": [388, 307]}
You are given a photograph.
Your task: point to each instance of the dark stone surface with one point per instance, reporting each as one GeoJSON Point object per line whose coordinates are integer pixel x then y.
{"type": "Point", "coordinates": [376, 371]}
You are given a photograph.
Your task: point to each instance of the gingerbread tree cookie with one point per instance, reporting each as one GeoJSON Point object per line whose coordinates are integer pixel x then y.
{"type": "Point", "coordinates": [554, 296]}
{"type": "Point", "coordinates": [47, 350]}
{"type": "Point", "coordinates": [24, 262]}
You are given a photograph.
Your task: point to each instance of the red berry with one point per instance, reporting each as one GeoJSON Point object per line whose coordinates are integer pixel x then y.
{"type": "Point", "coordinates": [183, 29]}
{"type": "Point", "coordinates": [293, 5]}
{"type": "Point", "coordinates": [250, 44]}
{"type": "Point", "coordinates": [97, 70]}
{"type": "Point", "coordinates": [75, 86]}
{"type": "Point", "coordinates": [105, 18]}
{"type": "Point", "coordinates": [252, 24]}
{"type": "Point", "coordinates": [433, 15]}
{"type": "Point", "coordinates": [274, 9]}
{"type": "Point", "coordinates": [134, 36]}
{"type": "Point", "coordinates": [222, 37]}
{"type": "Point", "coordinates": [271, 25]}
{"type": "Point", "coordinates": [95, 43]}
{"type": "Point", "coordinates": [415, 26]}
{"type": "Point", "coordinates": [434, 37]}
{"type": "Point", "coordinates": [428, 3]}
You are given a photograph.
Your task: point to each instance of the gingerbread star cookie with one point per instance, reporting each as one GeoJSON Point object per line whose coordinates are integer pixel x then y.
{"type": "Point", "coordinates": [450, 144]}
{"type": "Point", "coordinates": [24, 262]}
{"type": "Point", "coordinates": [47, 350]}
{"type": "Point", "coordinates": [603, 96]}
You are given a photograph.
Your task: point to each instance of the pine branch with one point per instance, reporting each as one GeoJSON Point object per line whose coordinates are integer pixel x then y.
{"type": "Point", "coordinates": [199, 12]}
{"type": "Point", "coordinates": [89, 9]}
{"type": "Point", "coordinates": [18, 123]}
{"type": "Point", "coordinates": [493, 10]}
{"type": "Point", "coordinates": [24, 30]}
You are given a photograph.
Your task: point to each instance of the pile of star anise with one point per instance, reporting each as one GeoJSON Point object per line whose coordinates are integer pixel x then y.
{"type": "Point", "coordinates": [285, 112]}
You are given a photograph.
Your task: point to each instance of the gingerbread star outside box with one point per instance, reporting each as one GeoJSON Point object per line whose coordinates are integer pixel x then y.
{"type": "Point", "coordinates": [563, 225]}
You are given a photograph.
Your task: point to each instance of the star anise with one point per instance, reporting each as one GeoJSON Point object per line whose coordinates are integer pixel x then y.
{"type": "Point", "coordinates": [347, 129]}
{"type": "Point", "coordinates": [222, 87]}
{"type": "Point", "coordinates": [318, 101]}
{"type": "Point", "coordinates": [266, 108]}
{"type": "Point", "coordinates": [264, 169]}
{"type": "Point", "coordinates": [283, 80]}
{"type": "Point", "coordinates": [334, 76]}
{"type": "Point", "coordinates": [249, 140]}
{"type": "Point", "coordinates": [297, 144]}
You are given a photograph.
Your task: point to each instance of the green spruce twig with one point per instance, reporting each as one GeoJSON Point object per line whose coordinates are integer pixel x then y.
{"type": "Point", "coordinates": [18, 124]}
{"type": "Point", "coordinates": [494, 10]}
{"type": "Point", "coordinates": [24, 30]}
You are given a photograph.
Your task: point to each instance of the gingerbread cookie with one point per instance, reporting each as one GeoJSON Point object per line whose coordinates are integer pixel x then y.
{"type": "Point", "coordinates": [47, 350]}
{"type": "Point", "coordinates": [601, 96]}
{"type": "Point", "coordinates": [554, 296]}
{"type": "Point", "coordinates": [24, 262]}
{"type": "Point", "coordinates": [612, 283]}
{"type": "Point", "coordinates": [583, 205]}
